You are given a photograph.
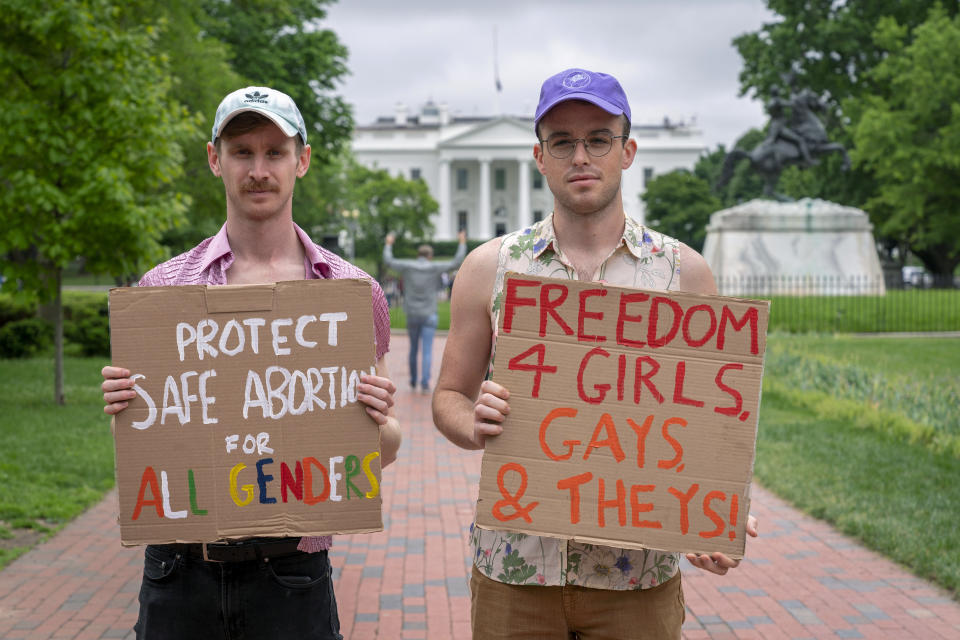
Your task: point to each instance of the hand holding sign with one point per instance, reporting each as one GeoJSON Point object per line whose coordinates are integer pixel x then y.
{"type": "Point", "coordinates": [489, 412]}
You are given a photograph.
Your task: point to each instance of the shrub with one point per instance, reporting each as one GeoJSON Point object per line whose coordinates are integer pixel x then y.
{"type": "Point", "coordinates": [13, 308]}
{"type": "Point", "coordinates": [86, 322]}
{"type": "Point", "coordinates": [24, 338]}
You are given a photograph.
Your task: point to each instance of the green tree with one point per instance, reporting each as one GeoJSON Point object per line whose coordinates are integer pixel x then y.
{"type": "Point", "coordinates": [202, 76]}
{"type": "Point", "coordinates": [829, 46]}
{"type": "Point", "coordinates": [280, 44]}
{"type": "Point", "coordinates": [679, 204]}
{"type": "Point", "coordinates": [908, 134]}
{"type": "Point", "coordinates": [387, 204]}
{"type": "Point", "coordinates": [91, 142]}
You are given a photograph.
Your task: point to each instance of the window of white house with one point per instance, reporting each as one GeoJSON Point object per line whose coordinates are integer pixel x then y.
{"type": "Point", "coordinates": [537, 179]}
{"type": "Point", "coordinates": [461, 179]}
{"type": "Point", "coordinates": [500, 179]}
{"type": "Point", "coordinates": [647, 175]}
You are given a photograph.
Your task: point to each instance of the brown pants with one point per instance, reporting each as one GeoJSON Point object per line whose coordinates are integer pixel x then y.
{"type": "Point", "coordinates": [501, 610]}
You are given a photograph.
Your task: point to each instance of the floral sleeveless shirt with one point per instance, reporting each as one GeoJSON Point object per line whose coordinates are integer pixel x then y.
{"type": "Point", "coordinates": [644, 259]}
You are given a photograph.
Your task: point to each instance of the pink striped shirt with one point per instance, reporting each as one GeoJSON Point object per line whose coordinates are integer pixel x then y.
{"type": "Point", "coordinates": [207, 263]}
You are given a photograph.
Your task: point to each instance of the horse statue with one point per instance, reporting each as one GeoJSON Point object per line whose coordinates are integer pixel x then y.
{"type": "Point", "coordinates": [797, 141]}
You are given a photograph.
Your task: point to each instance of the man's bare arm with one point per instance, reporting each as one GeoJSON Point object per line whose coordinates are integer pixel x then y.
{"type": "Point", "coordinates": [460, 411]}
{"type": "Point", "coordinates": [695, 273]}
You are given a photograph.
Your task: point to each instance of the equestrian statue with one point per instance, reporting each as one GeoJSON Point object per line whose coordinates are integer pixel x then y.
{"type": "Point", "coordinates": [795, 137]}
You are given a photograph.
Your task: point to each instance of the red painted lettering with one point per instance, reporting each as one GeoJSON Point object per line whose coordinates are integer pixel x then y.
{"type": "Point", "coordinates": [688, 318]}
{"type": "Point", "coordinates": [710, 513]}
{"type": "Point", "coordinates": [287, 481]}
{"type": "Point", "coordinates": [655, 305]}
{"type": "Point", "coordinates": [637, 507]}
{"type": "Point", "coordinates": [573, 484]}
{"type": "Point", "coordinates": [516, 364]}
{"type": "Point", "coordinates": [641, 430]}
{"type": "Point", "coordinates": [149, 478]}
{"type": "Point", "coordinates": [684, 499]}
{"type": "Point", "coordinates": [560, 412]}
{"type": "Point", "coordinates": [641, 378]}
{"type": "Point", "coordinates": [620, 502]}
{"type": "Point", "coordinates": [600, 388]}
{"type": "Point", "coordinates": [670, 464]}
{"type": "Point", "coordinates": [623, 317]}
{"type": "Point", "coordinates": [548, 308]}
{"type": "Point", "coordinates": [678, 397]}
{"type": "Point", "coordinates": [593, 315]}
{"type": "Point", "coordinates": [749, 316]}
{"type": "Point", "coordinates": [737, 398]}
{"type": "Point", "coordinates": [511, 301]}
{"type": "Point", "coordinates": [308, 496]}
{"type": "Point", "coordinates": [612, 441]}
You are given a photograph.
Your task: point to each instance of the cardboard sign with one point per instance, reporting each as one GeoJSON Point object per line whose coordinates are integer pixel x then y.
{"type": "Point", "coordinates": [246, 421]}
{"type": "Point", "coordinates": [633, 416]}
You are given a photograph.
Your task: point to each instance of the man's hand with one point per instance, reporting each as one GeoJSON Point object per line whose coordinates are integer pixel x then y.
{"type": "Point", "coordinates": [117, 389]}
{"type": "Point", "coordinates": [462, 236]}
{"type": "Point", "coordinates": [389, 239]}
{"type": "Point", "coordinates": [489, 411]}
{"type": "Point", "coordinates": [719, 563]}
{"type": "Point", "coordinates": [377, 393]}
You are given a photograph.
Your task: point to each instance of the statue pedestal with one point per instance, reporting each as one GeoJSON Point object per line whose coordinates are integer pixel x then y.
{"type": "Point", "coordinates": [807, 247]}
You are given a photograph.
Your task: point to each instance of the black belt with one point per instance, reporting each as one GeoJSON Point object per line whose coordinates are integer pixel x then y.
{"type": "Point", "coordinates": [241, 551]}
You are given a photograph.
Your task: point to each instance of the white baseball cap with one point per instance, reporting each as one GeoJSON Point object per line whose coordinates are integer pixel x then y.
{"type": "Point", "coordinates": [276, 105]}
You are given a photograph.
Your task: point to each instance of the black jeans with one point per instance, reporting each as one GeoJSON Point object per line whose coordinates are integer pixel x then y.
{"type": "Point", "coordinates": [184, 597]}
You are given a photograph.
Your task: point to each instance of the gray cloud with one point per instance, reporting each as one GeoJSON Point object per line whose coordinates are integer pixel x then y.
{"type": "Point", "coordinates": [674, 58]}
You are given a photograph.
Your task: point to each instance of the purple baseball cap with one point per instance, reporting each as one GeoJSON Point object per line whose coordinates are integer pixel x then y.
{"type": "Point", "coordinates": [579, 84]}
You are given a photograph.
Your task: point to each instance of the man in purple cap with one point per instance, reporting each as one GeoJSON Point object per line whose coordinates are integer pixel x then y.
{"type": "Point", "coordinates": [526, 586]}
{"type": "Point", "coordinates": [261, 587]}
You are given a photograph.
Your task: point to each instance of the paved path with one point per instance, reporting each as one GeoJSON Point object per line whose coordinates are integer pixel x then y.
{"type": "Point", "coordinates": [801, 579]}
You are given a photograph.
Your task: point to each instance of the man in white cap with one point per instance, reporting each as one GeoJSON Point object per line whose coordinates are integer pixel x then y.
{"type": "Point", "coordinates": [262, 587]}
{"type": "Point", "coordinates": [526, 586]}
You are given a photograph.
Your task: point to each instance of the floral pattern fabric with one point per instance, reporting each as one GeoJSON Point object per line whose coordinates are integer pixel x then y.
{"type": "Point", "coordinates": [643, 259]}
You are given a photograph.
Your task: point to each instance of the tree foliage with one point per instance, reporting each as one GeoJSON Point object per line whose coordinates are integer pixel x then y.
{"type": "Point", "coordinates": [908, 134]}
{"type": "Point", "coordinates": [387, 204]}
{"type": "Point", "coordinates": [679, 204]}
{"type": "Point", "coordinates": [831, 49]}
{"type": "Point", "coordinates": [91, 141]}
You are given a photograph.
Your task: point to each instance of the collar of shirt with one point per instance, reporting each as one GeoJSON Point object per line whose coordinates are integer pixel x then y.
{"type": "Point", "coordinates": [219, 249]}
{"type": "Point", "coordinates": [633, 236]}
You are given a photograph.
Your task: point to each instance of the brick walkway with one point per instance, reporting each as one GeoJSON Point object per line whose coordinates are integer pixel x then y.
{"type": "Point", "coordinates": [801, 579]}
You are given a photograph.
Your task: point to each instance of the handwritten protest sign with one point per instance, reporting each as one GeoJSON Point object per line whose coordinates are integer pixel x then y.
{"type": "Point", "coordinates": [246, 420]}
{"type": "Point", "coordinates": [633, 415]}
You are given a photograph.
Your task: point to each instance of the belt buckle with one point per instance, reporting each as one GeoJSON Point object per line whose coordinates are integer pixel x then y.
{"type": "Point", "coordinates": [206, 556]}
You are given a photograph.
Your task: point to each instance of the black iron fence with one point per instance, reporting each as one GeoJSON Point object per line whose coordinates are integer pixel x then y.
{"type": "Point", "coordinates": [852, 304]}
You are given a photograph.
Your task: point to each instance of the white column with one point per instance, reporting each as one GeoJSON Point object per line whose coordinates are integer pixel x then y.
{"type": "Point", "coordinates": [484, 216]}
{"type": "Point", "coordinates": [523, 179]}
{"type": "Point", "coordinates": [446, 224]}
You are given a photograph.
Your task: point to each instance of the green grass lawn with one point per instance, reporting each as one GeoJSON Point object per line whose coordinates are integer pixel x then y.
{"type": "Point", "coordinates": [56, 461]}
{"type": "Point", "coordinates": [836, 458]}
{"type": "Point", "coordinates": [399, 321]}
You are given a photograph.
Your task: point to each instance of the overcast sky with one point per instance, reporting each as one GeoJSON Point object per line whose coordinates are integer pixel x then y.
{"type": "Point", "coordinates": [673, 57]}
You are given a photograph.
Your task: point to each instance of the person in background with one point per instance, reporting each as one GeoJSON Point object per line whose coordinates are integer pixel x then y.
{"type": "Point", "coordinates": [421, 285]}
{"type": "Point", "coordinates": [261, 588]}
{"type": "Point", "coordinates": [567, 589]}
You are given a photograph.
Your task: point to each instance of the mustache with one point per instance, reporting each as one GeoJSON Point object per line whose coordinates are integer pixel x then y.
{"type": "Point", "coordinates": [258, 186]}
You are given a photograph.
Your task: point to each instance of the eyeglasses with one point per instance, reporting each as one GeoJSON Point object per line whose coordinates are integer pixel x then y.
{"type": "Point", "coordinates": [596, 144]}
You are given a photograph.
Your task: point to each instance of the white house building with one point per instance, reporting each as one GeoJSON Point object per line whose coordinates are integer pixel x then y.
{"type": "Point", "coordinates": [481, 171]}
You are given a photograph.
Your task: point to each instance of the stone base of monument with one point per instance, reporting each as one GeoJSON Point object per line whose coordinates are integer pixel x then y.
{"type": "Point", "coordinates": [807, 247]}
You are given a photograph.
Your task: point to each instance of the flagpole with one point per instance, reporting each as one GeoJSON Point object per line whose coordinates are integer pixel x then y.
{"type": "Point", "coordinates": [496, 76]}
